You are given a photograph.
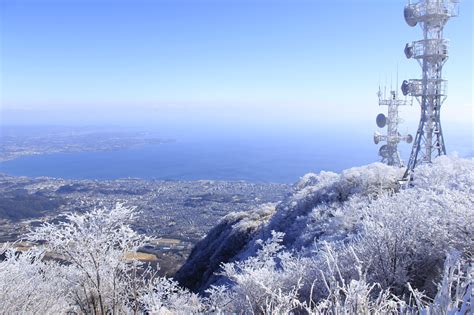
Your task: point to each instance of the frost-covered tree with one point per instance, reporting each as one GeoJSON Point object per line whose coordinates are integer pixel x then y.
{"type": "Point", "coordinates": [29, 285]}
{"type": "Point", "coordinates": [398, 239]}
{"type": "Point", "coordinates": [94, 245]}
{"type": "Point", "coordinates": [455, 295]}
{"type": "Point", "coordinates": [266, 283]}
{"type": "Point", "coordinates": [165, 296]}
{"type": "Point", "coordinates": [406, 236]}
{"type": "Point", "coordinates": [356, 244]}
{"type": "Point", "coordinates": [80, 265]}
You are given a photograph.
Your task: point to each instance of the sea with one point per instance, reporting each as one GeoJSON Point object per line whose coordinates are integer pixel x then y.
{"type": "Point", "coordinates": [277, 157]}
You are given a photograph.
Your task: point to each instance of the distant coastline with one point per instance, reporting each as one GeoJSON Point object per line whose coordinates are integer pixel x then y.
{"type": "Point", "coordinates": [9, 156]}
{"type": "Point", "coordinates": [17, 143]}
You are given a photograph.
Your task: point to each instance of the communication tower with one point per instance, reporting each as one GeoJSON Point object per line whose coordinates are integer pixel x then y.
{"type": "Point", "coordinates": [430, 91]}
{"type": "Point", "coordinates": [389, 151]}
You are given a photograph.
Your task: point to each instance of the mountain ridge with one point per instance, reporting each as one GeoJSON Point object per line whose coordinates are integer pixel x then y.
{"type": "Point", "coordinates": [337, 209]}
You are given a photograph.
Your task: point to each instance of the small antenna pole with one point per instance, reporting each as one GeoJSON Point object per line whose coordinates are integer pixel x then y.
{"type": "Point", "coordinates": [389, 151]}
{"type": "Point", "coordinates": [396, 91]}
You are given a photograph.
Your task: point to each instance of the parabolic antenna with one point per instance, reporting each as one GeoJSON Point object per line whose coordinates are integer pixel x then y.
{"type": "Point", "coordinates": [405, 87]}
{"type": "Point", "coordinates": [384, 151]}
{"type": "Point", "coordinates": [408, 51]}
{"type": "Point", "coordinates": [409, 14]}
{"type": "Point", "coordinates": [381, 120]}
{"type": "Point", "coordinates": [409, 138]}
{"type": "Point", "coordinates": [377, 137]}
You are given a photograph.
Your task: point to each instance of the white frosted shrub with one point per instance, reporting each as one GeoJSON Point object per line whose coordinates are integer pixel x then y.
{"type": "Point", "coordinates": [30, 286]}
{"type": "Point", "coordinates": [90, 272]}
{"type": "Point", "coordinates": [266, 283]}
{"type": "Point", "coordinates": [94, 245]}
{"type": "Point", "coordinates": [164, 296]}
{"type": "Point", "coordinates": [356, 244]}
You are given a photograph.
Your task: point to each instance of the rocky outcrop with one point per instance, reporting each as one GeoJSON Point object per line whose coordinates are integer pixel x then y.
{"type": "Point", "coordinates": [227, 239]}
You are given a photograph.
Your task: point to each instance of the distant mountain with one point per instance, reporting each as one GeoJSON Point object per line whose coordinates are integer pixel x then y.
{"type": "Point", "coordinates": [360, 207]}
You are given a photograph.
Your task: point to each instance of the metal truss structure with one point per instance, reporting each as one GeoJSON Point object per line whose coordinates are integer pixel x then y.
{"type": "Point", "coordinates": [430, 91]}
{"type": "Point", "coordinates": [389, 151]}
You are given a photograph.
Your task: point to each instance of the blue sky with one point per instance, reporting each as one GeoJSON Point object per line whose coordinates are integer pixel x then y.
{"type": "Point", "coordinates": [247, 62]}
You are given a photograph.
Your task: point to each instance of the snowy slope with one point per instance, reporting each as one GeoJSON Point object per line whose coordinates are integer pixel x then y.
{"type": "Point", "coordinates": [400, 235]}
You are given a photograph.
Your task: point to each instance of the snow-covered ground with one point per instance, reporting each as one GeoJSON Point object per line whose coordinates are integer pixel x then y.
{"type": "Point", "coordinates": [351, 243]}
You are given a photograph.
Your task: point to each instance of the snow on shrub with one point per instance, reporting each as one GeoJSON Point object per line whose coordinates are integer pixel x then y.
{"type": "Point", "coordinates": [341, 244]}
{"type": "Point", "coordinates": [89, 273]}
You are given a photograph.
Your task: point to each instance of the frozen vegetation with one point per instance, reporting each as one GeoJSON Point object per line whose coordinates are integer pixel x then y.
{"type": "Point", "coordinates": [349, 243]}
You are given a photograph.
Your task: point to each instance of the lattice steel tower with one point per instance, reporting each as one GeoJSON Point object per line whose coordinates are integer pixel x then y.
{"type": "Point", "coordinates": [430, 91]}
{"type": "Point", "coordinates": [389, 151]}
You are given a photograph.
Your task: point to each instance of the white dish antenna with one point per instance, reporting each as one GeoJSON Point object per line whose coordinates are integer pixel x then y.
{"type": "Point", "coordinates": [410, 17]}
{"type": "Point", "coordinates": [384, 151]}
{"type": "Point", "coordinates": [408, 51]}
{"type": "Point", "coordinates": [381, 120]}
{"type": "Point", "coordinates": [377, 137]}
{"type": "Point", "coordinates": [405, 87]}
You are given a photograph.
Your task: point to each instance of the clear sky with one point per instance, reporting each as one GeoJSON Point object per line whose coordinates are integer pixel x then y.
{"type": "Point", "coordinates": [260, 61]}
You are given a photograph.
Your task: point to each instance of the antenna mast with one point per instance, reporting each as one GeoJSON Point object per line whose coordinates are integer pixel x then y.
{"type": "Point", "coordinates": [389, 152]}
{"type": "Point", "coordinates": [430, 91]}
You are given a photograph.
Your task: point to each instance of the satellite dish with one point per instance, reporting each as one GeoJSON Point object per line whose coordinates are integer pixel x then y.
{"type": "Point", "coordinates": [409, 138]}
{"type": "Point", "coordinates": [405, 87]}
{"type": "Point", "coordinates": [409, 14]}
{"type": "Point", "coordinates": [384, 151]}
{"type": "Point", "coordinates": [381, 120]}
{"type": "Point", "coordinates": [408, 51]}
{"type": "Point", "coordinates": [376, 138]}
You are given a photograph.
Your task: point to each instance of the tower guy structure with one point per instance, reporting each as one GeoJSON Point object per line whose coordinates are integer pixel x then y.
{"type": "Point", "coordinates": [430, 91]}
{"type": "Point", "coordinates": [389, 151]}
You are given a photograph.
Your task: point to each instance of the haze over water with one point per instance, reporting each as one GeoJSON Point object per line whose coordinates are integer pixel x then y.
{"type": "Point", "coordinates": [250, 155]}
{"type": "Point", "coordinates": [254, 90]}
